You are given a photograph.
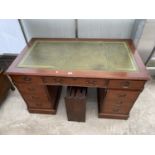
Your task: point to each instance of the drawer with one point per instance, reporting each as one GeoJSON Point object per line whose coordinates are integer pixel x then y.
{"type": "Point", "coordinates": [85, 82]}
{"type": "Point", "coordinates": [121, 95]}
{"type": "Point", "coordinates": [37, 101]}
{"type": "Point", "coordinates": [35, 97]}
{"type": "Point", "coordinates": [39, 104]}
{"type": "Point", "coordinates": [126, 84]}
{"type": "Point", "coordinates": [115, 108]}
{"type": "Point", "coordinates": [31, 89]}
{"type": "Point", "coordinates": [26, 79]}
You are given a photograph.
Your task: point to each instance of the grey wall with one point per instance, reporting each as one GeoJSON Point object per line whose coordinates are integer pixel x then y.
{"type": "Point", "coordinates": [87, 28]}
{"type": "Point", "coordinates": [12, 41]}
{"type": "Point", "coordinates": [47, 28]}
{"type": "Point", "coordinates": [141, 31]}
{"type": "Point", "coordinates": [137, 30]}
{"type": "Point", "coordinates": [105, 28]}
{"type": "Point", "coordinates": [147, 40]}
{"type": "Point", "coordinates": [11, 37]}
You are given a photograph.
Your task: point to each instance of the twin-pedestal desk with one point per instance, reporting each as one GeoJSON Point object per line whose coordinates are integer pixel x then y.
{"type": "Point", "coordinates": [113, 67]}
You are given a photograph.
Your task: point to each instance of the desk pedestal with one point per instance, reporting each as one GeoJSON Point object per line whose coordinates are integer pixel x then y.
{"type": "Point", "coordinates": [40, 98]}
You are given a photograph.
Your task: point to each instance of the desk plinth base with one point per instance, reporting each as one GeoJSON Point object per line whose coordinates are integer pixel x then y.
{"type": "Point", "coordinates": [42, 111]}
{"type": "Point", "coordinates": [113, 116]}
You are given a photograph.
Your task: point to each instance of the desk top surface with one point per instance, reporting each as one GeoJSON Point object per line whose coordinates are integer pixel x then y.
{"type": "Point", "coordinates": [79, 55]}
{"type": "Point", "coordinates": [92, 58]}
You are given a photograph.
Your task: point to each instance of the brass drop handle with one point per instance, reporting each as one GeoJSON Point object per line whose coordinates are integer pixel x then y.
{"type": "Point", "coordinates": [57, 80]}
{"type": "Point", "coordinates": [26, 78]}
{"type": "Point", "coordinates": [91, 82]}
{"type": "Point", "coordinates": [44, 80]}
{"type": "Point", "coordinates": [118, 105]}
{"type": "Point", "coordinates": [34, 97]}
{"type": "Point", "coordinates": [126, 84]}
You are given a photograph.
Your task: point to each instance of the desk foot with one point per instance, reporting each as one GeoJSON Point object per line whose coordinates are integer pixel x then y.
{"type": "Point", "coordinates": [42, 111]}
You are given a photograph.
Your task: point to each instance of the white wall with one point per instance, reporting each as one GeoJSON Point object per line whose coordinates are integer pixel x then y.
{"type": "Point", "coordinates": [11, 38]}
{"type": "Point", "coordinates": [105, 28]}
{"type": "Point", "coordinates": [47, 28]}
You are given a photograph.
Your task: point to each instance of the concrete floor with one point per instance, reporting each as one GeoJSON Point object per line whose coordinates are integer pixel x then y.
{"type": "Point", "coordinates": [15, 119]}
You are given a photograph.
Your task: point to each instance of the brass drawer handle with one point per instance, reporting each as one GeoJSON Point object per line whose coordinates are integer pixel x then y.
{"type": "Point", "coordinates": [125, 84]}
{"type": "Point", "coordinates": [74, 79]}
{"type": "Point", "coordinates": [44, 80]}
{"type": "Point", "coordinates": [91, 82]}
{"type": "Point", "coordinates": [59, 81]}
{"type": "Point", "coordinates": [56, 80]}
{"type": "Point", "coordinates": [34, 97]}
{"type": "Point", "coordinates": [27, 79]}
{"type": "Point", "coordinates": [119, 103]}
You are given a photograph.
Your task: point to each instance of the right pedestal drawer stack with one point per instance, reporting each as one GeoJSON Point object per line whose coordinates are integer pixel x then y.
{"type": "Point", "coordinates": [117, 100]}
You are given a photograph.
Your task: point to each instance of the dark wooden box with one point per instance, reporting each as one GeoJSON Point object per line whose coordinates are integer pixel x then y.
{"type": "Point", "coordinates": [6, 60]}
{"type": "Point", "coordinates": [75, 101]}
{"type": "Point", "coordinates": [5, 85]}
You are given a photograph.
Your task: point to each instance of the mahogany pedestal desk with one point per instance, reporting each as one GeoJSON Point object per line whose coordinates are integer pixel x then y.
{"type": "Point", "coordinates": [113, 66]}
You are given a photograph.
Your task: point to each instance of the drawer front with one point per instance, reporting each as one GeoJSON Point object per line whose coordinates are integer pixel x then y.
{"type": "Point", "coordinates": [121, 95]}
{"type": "Point", "coordinates": [86, 82]}
{"type": "Point", "coordinates": [39, 104]}
{"type": "Point", "coordinates": [126, 84]}
{"type": "Point", "coordinates": [26, 79]}
{"type": "Point", "coordinates": [119, 102]}
{"type": "Point", "coordinates": [32, 89]}
{"type": "Point", "coordinates": [116, 108]}
{"type": "Point", "coordinates": [34, 101]}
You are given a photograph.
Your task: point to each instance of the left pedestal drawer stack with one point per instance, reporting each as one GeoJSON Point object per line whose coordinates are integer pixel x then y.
{"type": "Point", "coordinates": [38, 97]}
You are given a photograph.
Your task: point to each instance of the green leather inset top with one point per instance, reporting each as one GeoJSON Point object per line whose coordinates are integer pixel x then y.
{"type": "Point", "coordinates": [79, 55]}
